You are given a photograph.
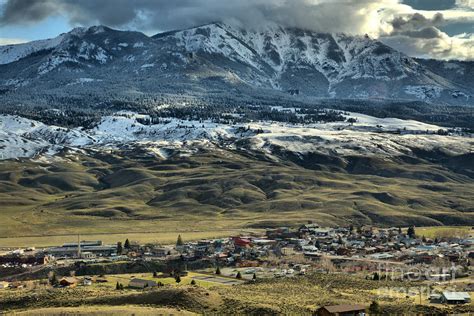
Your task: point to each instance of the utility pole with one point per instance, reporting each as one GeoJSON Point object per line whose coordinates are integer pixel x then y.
{"type": "Point", "coordinates": [79, 246]}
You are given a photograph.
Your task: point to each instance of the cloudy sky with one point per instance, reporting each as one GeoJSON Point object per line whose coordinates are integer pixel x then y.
{"type": "Point", "coordinates": [441, 29]}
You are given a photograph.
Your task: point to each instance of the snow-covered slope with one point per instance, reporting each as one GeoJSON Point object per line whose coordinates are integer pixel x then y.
{"type": "Point", "coordinates": [11, 53]}
{"type": "Point", "coordinates": [368, 136]}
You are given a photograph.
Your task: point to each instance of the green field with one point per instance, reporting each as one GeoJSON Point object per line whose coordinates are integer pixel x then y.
{"type": "Point", "coordinates": [443, 232]}
{"type": "Point", "coordinates": [112, 238]}
{"type": "Point", "coordinates": [130, 194]}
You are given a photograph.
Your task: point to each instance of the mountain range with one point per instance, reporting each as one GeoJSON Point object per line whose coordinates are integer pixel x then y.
{"type": "Point", "coordinates": [96, 62]}
{"type": "Point", "coordinates": [101, 128]}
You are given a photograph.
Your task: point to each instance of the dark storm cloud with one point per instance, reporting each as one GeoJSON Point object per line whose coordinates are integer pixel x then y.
{"type": "Point", "coordinates": [417, 21]}
{"type": "Point", "coordinates": [320, 15]}
{"type": "Point", "coordinates": [26, 11]}
{"type": "Point", "coordinates": [427, 32]}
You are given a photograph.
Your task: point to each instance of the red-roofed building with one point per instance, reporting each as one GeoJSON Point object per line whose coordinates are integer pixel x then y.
{"type": "Point", "coordinates": [241, 242]}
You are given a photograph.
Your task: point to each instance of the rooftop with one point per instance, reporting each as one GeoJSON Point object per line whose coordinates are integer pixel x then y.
{"type": "Point", "coordinates": [456, 296]}
{"type": "Point", "coordinates": [344, 308]}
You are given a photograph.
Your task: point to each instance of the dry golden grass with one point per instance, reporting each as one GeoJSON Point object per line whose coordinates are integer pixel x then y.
{"type": "Point", "coordinates": [103, 310]}
{"type": "Point", "coordinates": [288, 296]}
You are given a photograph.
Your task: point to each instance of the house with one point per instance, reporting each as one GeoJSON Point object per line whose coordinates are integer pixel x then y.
{"type": "Point", "coordinates": [308, 228]}
{"type": "Point", "coordinates": [455, 298]}
{"type": "Point", "coordinates": [323, 232]}
{"type": "Point", "coordinates": [339, 310]}
{"type": "Point", "coordinates": [68, 281]}
{"type": "Point", "coordinates": [469, 287]}
{"type": "Point", "coordinates": [161, 252]}
{"type": "Point", "coordinates": [141, 284]}
{"type": "Point", "coordinates": [436, 298]}
{"type": "Point", "coordinates": [88, 255]}
{"type": "Point", "coordinates": [381, 256]}
{"type": "Point", "coordinates": [4, 285]}
{"type": "Point", "coordinates": [241, 242]}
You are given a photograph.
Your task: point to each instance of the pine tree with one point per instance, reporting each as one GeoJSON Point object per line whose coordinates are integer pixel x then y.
{"type": "Point", "coordinates": [155, 274]}
{"type": "Point", "coordinates": [399, 230]}
{"type": "Point", "coordinates": [254, 277]}
{"type": "Point", "coordinates": [127, 244]}
{"type": "Point", "coordinates": [339, 241]}
{"type": "Point", "coordinates": [317, 244]}
{"type": "Point", "coordinates": [117, 286]}
{"type": "Point", "coordinates": [238, 276]}
{"type": "Point", "coordinates": [193, 282]}
{"type": "Point", "coordinates": [376, 277]}
{"type": "Point", "coordinates": [374, 308]}
{"type": "Point", "coordinates": [411, 232]}
{"type": "Point", "coordinates": [178, 279]}
{"type": "Point", "coordinates": [119, 248]}
{"type": "Point", "coordinates": [218, 271]}
{"type": "Point", "coordinates": [53, 278]}
{"type": "Point", "coordinates": [179, 242]}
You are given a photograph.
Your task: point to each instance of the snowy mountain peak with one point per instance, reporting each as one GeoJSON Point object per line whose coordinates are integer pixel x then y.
{"type": "Point", "coordinates": [279, 50]}
{"type": "Point", "coordinates": [271, 57]}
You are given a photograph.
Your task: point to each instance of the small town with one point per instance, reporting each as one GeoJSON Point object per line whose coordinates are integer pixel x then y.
{"type": "Point", "coordinates": [444, 264]}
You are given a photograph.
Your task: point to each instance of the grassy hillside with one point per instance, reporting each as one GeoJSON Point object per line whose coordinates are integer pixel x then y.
{"type": "Point", "coordinates": [295, 296]}
{"type": "Point", "coordinates": [128, 191]}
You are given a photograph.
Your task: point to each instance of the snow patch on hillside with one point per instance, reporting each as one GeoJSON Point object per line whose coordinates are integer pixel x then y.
{"type": "Point", "coordinates": [20, 137]}
{"type": "Point", "coordinates": [424, 92]}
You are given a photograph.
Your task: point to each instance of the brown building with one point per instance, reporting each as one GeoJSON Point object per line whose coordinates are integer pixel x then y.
{"type": "Point", "coordinates": [340, 310]}
{"type": "Point", "coordinates": [68, 281]}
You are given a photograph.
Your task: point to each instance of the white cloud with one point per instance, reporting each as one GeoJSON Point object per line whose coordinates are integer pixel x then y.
{"type": "Point", "coordinates": [8, 41]}
{"type": "Point", "coordinates": [469, 4]}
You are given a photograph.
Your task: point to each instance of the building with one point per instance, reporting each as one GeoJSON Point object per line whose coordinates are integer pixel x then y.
{"type": "Point", "coordinates": [87, 281]}
{"type": "Point", "coordinates": [68, 281]}
{"type": "Point", "coordinates": [308, 228]}
{"type": "Point", "coordinates": [455, 298]}
{"type": "Point", "coordinates": [339, 310]}
{"type": "Point", "coordinates": [87, 255]}
{"type": "Point", "coordinates": [141, 284]}
{"type": "Point", "coordinates": [241, 242]}
{"type": "Point", "coordinates": [91, 247]}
